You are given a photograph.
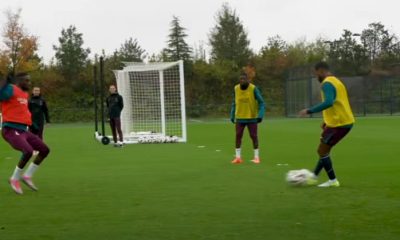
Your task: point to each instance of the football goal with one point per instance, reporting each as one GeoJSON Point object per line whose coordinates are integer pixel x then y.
{"type": "Point", "coordinates": [154, 102]}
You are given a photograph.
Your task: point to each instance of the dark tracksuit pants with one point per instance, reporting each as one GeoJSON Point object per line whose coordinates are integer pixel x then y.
{"type": "Point", "coordinates": [115, 124]}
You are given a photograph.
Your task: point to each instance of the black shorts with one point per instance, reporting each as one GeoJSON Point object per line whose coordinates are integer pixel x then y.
{"type": "Point", "coordinates": [331, 136]}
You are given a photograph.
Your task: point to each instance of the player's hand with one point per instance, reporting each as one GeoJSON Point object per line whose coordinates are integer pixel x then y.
{"type": "Point", "coordinates": [232, 120]}
{"type": "Point", "coordinates": [259, 120]}
{"type": "Point", "coordinates": [303, 113]}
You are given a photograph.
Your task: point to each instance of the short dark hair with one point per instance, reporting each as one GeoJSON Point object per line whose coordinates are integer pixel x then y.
{"type": "Point", "coordinates": [321, 65]}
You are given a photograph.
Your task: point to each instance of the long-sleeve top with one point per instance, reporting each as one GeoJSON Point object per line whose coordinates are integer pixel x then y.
{"type": "Point", "coordinates": [329, 92]}
{"type": "Point", "coordinates": [115, 104]}
{"type": "Point", "coordinates": [330, 96]}
{"type": "Point", "coordinates": [40, 113]}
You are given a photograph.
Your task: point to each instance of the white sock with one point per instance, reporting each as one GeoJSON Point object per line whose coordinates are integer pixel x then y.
{"type": "Point", "coordinates": [31, 170]}
{"type": "Point", "coordinates": [17, 173]}
{"type": "Point", "coordinates": [333, 180]}
{"type": "Point", "coordinates": [256, 153]}
{"type": "Point", "coordinates": [238, 152]}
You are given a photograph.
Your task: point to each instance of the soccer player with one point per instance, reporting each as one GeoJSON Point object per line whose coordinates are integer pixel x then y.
{"type": "Point", "coordinates": [115, 104]}
{"type": "Point", "coordinates": [338, 120]}
{"type": "Point", "coordinates": [40, 113]}
{"type": "Point", "coordinates": [16, 120]}
{"type": "Point", "coordinates": [248, 110]}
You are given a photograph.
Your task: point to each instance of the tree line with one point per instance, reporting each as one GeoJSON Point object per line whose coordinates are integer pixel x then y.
{"type": "Point", "coordinates": [67, 80]}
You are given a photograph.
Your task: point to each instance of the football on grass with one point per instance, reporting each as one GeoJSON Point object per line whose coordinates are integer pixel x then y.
{"type": "Point", "coordinates": [298, 177]}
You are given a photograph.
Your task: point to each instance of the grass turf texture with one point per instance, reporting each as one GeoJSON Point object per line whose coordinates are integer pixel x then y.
{"type": "Point", "coordinates": [181, 191]}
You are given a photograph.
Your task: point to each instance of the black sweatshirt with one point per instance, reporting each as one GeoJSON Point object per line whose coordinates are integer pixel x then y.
{"type": "Point", "coordinates": [115, 104]}
{"type": "Point", "coordinates": [40, 113]}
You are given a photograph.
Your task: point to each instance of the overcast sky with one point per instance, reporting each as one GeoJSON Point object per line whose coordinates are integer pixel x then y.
{"type": "Point", "coordinates": [106, 24]}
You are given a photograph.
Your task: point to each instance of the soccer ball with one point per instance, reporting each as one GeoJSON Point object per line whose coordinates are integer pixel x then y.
{"type": "Point", "coordinates": [298, 177]}
{"type": "Point", "coordinates": [174, 139]}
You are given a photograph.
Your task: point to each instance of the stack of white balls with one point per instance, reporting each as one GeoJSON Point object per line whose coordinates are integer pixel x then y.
{"type": "Point", "coordinates": [158, 139]}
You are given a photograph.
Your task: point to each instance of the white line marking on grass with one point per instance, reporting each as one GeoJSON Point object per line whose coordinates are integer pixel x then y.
{"type": "Point", "coordinates": [201, 146]}
{"type": "Point", "coordinates": [196, 120]}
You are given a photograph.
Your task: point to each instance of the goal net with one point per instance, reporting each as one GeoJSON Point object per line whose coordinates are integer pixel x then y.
{"type": "Point", "coordinates": [154, 102]}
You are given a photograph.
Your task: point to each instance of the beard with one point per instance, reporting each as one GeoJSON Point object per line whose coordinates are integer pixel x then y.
{"type": "Point", "coordinates": [244, 86]}
{"type": "Point", "coordinates": [320, 79]}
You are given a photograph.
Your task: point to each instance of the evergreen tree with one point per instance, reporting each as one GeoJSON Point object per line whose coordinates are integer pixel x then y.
{"type": "Point", "coordinates": [228, 39]}
{"type": "Point", "coordinates": [70, 55]}
{"type": "Point", "coordinates": [177, 48]}
{"type": "Point", "coordinates": [130, 51]}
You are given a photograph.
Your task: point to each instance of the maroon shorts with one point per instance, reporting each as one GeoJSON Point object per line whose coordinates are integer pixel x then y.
{"type": "Point", "coordinates": [24, 141]}
{"type": "Point", "coordinates": [331, 136]}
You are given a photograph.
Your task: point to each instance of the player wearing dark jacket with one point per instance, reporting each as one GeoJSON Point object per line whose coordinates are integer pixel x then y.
{"type": "Point", "coordinates": [115, 104]}
{"type": "Point", "coordinates": [40, 113]}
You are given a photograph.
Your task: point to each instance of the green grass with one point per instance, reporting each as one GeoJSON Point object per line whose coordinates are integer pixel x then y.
{"type": "Point", "coordinates": [183, 192]}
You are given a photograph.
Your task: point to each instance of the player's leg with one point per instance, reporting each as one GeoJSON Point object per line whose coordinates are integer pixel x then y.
{"type": "Point", "coordinates": [330, 137]}
{"type": "Point", "coordinates": [239, 135]}
{"type": "Point", "coordinates": [114, 133]}
{"type": "Point", "coordinates": [119, 130]}
{"type": "Point", "coordinates": [323, 152]}
{"type": "Point", "coordinates": [253, 131]}
{"type": "Point", "coordinates": [40, 132]}
{"type": "Point", "coordinates": [36, 131]}
{"type": "Point", "coordinates": [43, 150]}
{"type": "Point", "coordinates": [18, 140]}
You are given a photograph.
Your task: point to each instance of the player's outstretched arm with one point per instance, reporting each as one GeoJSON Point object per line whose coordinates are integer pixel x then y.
{"type": "Point", "coordinates": [330, 96]}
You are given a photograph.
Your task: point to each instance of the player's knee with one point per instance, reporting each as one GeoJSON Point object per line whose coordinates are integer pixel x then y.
{"type": "Point", "coordinates": [44, 151]}
{"type": "Point", "coordinates": [322, 152]}
{"type": "Point", "coordinates": [28, 152]}
{"type": "Point", "coordinates": [254, 137]}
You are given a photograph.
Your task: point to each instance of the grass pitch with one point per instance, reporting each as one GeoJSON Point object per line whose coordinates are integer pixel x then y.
{"type": "Point", "coordinates": [191, 191]}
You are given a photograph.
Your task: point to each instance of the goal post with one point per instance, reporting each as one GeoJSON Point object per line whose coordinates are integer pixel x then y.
{"type": "Point", "coordinates": [154, 102]}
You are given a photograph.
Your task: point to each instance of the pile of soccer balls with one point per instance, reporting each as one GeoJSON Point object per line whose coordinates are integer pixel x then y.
{"type": "Point", "coordinates": [158, 139]}
{"type": "Point", "coordinates": [298, 177]}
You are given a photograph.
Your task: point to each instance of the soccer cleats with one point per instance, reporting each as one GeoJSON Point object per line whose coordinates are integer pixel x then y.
{"type": "Point", "coordinates": [28, 182]}
{"type": "Point", "coordinates": [237, 161]}
{"type": "Point", "coordinates": [330, 183]}
{"type": "Point", "coordinates": [15, 185]}
{"type": "Point", "coordinates": [256, 160]}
